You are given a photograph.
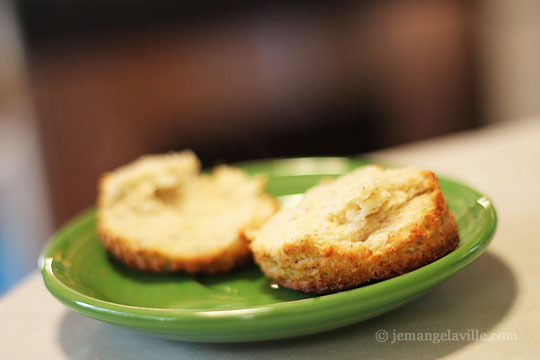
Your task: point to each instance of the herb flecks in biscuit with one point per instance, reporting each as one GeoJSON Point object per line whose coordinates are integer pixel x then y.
{"type": "Point", "coordinates": [371, 224]}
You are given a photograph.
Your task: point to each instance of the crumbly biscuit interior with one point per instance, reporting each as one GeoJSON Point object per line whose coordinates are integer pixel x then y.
{"type": "Point", "coordinates": [363, 208]}
{"type": "Point", "coordinates": [169, 206]}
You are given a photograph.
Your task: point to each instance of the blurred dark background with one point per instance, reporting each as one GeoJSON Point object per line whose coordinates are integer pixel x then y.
{"type": "Point", "coordinates": [237, 80]}
{"type": "Point", "coordinates": [86, 86]}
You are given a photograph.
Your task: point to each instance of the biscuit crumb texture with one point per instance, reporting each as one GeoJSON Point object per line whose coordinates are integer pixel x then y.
{"type": "Point", "coordinates": [161, 214]}
{"type": "Point", "coordinates": [371, 224]}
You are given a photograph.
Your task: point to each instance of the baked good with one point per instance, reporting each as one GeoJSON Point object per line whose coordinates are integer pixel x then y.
{"type": "Point", "coordinates": [160, 214]}
{"type": "Point", "coordinates": [371, 224]}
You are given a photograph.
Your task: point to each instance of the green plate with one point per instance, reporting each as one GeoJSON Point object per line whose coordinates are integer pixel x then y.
{"type": "Point", "coordinates": [245, 305]}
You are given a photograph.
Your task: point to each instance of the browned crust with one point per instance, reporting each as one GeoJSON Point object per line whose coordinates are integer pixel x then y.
{"type": "Point", "coordinates": [154, 261]}
{"type": "Point", "coordinates": [308, 267]}
{"type": "Point", "coordinates": [150, 260]}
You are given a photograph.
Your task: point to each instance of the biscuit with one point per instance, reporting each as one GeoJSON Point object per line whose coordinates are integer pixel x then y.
{"type": "Point", "coordinates": [160, 214]}
{"type": "Point", "coordinates": [371, 224]}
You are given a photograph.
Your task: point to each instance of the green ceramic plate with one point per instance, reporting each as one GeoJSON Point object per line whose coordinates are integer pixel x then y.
{"type": "Point", "coordinates": [245, 305]}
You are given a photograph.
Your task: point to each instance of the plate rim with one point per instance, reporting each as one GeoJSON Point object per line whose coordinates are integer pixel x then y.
{"type": "Point", "coordinates": [128, 315]}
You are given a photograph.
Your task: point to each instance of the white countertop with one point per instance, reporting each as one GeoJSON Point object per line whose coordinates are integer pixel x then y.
{"type": "Point", "coordinates": [499, 294]}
